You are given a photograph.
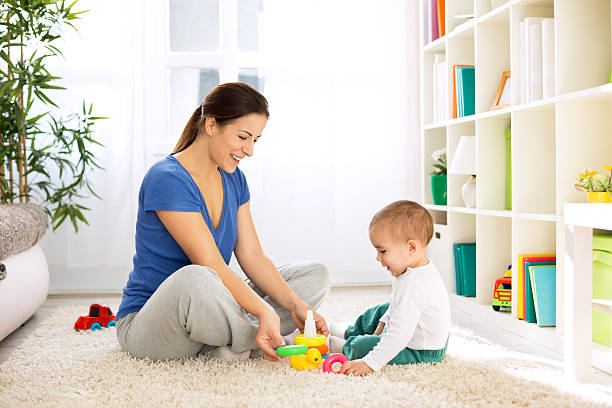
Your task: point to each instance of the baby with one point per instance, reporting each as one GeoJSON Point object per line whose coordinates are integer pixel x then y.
{"type": "Point", "coordinates": [413, 327]}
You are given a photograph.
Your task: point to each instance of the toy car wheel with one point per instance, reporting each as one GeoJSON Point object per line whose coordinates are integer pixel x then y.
{"type": "Point", "coordinates": [496, 308]}
{"type": "Point", "coordinates": [96, 326]}
{"type": "Point", "coordinates": [333, 363]}
{"type": "Point", "coordinates": [112, 323]}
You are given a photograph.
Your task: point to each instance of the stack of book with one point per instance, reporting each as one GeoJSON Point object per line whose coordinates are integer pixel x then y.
{"type": "Point", "coordinates": [464, 90]}
{"type": "Point", "coordinates": [465, 268]}
{"type": "Point", "coordinates": [536, 289]}
{"type": "Point", "coordinates": [434, 20]}
{"type": "Point", "coordinates": [440, 89]}
{"type": "Point", "coordinates": [537, 51]}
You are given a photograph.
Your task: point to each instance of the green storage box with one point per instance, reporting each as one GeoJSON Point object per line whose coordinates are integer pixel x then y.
{"type": "Point", "coordinates": [602, 287]}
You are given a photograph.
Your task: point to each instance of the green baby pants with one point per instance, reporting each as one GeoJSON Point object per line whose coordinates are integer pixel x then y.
{"type": "Point", "coordinates": [360, 340]}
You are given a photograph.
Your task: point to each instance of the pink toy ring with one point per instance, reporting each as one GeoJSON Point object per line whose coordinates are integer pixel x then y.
{"type": "Point", "coordinates": [333, 363]}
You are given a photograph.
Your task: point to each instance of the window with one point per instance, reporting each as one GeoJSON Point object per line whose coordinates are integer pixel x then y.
{"type": "Point", "coordinates": [209, 42]}
{"type": "Point", "coordinates": [94, 311]}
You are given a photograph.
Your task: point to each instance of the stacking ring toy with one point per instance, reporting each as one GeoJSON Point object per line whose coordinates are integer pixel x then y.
{"type": "Point", "coordinates": [333, 363]}
{"type": "Point", "coordinates": [291, 350]}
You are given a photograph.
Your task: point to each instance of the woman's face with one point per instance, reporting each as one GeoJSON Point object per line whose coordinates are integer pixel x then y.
{"type": "Point", "coordinates": [232, 142]}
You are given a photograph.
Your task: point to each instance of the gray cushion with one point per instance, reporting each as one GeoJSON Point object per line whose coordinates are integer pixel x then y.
{"type": "Point", "coordinates": [21, 227]}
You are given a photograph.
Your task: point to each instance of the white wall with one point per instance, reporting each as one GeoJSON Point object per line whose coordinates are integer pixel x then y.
{"type": "Point", "coordinates": [341, 143]}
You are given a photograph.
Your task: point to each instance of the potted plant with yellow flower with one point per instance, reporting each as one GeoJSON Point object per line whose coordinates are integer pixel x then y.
{"type": "Point", "coordinates": [597, 186]}
{"type": "Point", "coordinates": [437, 177]}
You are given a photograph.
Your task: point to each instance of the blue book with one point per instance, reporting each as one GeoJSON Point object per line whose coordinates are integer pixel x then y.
{"type": "Point", "coordinates": [530, 312]}
{"type": "Point", "coordinates": [545, 294]}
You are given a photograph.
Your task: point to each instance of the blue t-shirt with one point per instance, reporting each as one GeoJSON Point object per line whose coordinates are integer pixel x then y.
{"type": "Point", "coordinates": [167, 186]}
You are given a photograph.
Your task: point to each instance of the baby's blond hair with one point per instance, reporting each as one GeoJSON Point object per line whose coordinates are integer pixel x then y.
{"type": "Point", "coordinates": [408, 220]}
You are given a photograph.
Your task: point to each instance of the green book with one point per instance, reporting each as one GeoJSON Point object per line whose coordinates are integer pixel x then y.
{"type": "Point", "coordinates": [458, 274]}
{"type": "Point", "coordinates": [466, 91]}
{"type": "Point", "coordinates": [466, 254]}
{"type": "Point", "coordinates": [508, 134]}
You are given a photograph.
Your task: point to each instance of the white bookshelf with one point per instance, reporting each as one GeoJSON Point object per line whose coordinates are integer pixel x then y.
{"type": "Point", "coordinates": [553, 139]}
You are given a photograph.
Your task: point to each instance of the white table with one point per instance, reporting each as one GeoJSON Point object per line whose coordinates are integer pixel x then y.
{"type": "Point", "coordinates": [580, 220]}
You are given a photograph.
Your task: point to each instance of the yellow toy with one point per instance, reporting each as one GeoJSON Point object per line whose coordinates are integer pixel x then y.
{"type": "Point", "coordinates": [306, 362]}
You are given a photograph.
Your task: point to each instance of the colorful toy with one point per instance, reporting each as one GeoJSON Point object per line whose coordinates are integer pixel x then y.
{"type": "Point", "coordinates": [286, 351]}
{"type": "Point", "coordinates": [301, 357]}
{"type": "Point", "coordinates": [312, 359]}
{"type": "Point", "coordinates": [99, 316]}
{"type": "Point", "coordinates": [502, 293]}
{"type": "Point", "coordinates": [333, 363]}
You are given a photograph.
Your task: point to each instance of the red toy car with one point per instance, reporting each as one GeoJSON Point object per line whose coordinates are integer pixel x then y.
{"type": "Point", "coordinates": [99, 316]}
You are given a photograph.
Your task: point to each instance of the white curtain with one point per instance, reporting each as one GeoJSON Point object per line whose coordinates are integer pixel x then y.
{"type": "Point", "coordinates": [99, 67]}
{"type": "Point", "coordinates": [342, 81]}
{"type": "Point", "coordinates": [342, 140]}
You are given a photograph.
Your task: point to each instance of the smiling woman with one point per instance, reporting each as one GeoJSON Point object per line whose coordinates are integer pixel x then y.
{"type": "Point", "coordinates": [182, 298]}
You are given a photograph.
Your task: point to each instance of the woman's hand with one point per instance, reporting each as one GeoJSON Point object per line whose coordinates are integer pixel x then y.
{"type": "Point", "coordinates": [299, 318]}
{"type": "Point", "coordinates": [268, 335]}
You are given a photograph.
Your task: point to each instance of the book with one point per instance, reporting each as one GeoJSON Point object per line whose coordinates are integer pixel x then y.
{"type": "Point", "coordinates": [544, 283]}
{"type": "Point", "coordinates": [529, 306]}
{"type": "Point", "coordinates": [534, 55]}
{"type": "Point", "coordinates": [524, 96]}
{"type": "Point", "coordinates": [427, 24]}
{"type": "Point", "coordinates": [526, 284]}
{"type": "Point", "coordinates": [443, 89]}
{"type": "Point", "coordinates": [508, 136]}
{"type": "Point", "coordinates": [455, 88]}
{"type": "Point", "coordinates": [465, 256]}
{"type": "Point", "coordinates": [458, 274]}
{"type": "Point", "coordinates": [548, 58]}
{"type": "Point", "coordinates": [520, 285]}
{"type": "Point", "coordinates": [435, 32]}
{"type": "Point", "coordinates": [465, 90]}
{"type": "Point", "coordinates": [440, 100]}
{"type": "Point", "coordinates": [441, 18]}
{"type": "Point", "coordinates": [437, 59]}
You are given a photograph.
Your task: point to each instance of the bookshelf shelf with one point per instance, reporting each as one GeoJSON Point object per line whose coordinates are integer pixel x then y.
{"type": "Point", "coordinates": [464, 30]}
{"type": "Point", "coordinates": [464, 210]}
{"type": "Point", "coordinates": [538, 217]}
{"type": "Point", "coordinates": [552, 139]}
{"type": "Point", "coordinates": [436, 207]}
{"type": "Point", "coordinates": [498, 16]}
{"type": "Point", "coordinates": [436, 46]}
{"type": "Point", "coordinates": [496, 213]}
{"type": "Point", "coordinates": [435, 126]}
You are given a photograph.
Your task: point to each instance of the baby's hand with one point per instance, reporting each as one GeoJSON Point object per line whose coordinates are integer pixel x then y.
{"type": "Point", "coordinates": [357, 367]}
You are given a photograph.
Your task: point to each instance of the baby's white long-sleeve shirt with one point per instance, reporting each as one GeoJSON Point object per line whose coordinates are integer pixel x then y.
{"type": "Point", "coordinates": [418, 316]}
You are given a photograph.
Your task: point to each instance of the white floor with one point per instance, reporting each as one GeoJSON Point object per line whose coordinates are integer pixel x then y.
{"type": "Point", "coordinates": [493, 333]}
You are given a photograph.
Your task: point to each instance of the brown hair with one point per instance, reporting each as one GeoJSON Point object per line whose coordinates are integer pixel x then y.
{"type": "Point", "coordinates": [225, 103]}
{"type": "Point", "coordinates": [409, 220]}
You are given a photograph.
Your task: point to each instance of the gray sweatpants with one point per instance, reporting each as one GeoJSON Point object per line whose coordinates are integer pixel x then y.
{"type": "Point", "coordinates": [192, 312]}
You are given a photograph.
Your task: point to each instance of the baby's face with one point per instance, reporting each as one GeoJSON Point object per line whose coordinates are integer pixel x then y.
{"type": "Point", "coordinates": [393, 254]}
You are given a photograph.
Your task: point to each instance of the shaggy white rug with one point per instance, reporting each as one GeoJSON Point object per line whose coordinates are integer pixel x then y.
{"type": "Point", "coordinates": [56, 367]}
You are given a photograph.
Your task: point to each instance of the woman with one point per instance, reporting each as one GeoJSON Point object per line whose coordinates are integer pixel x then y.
{"type": "Point", "coordinates": [181, 298]}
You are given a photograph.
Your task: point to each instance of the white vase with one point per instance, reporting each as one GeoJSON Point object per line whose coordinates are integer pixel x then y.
{"type": "Point", "coordinates": [468, 192]}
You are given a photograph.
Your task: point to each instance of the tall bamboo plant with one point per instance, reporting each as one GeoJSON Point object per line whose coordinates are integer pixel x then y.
{"type": "Point", "coordinates": [44, 156]}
